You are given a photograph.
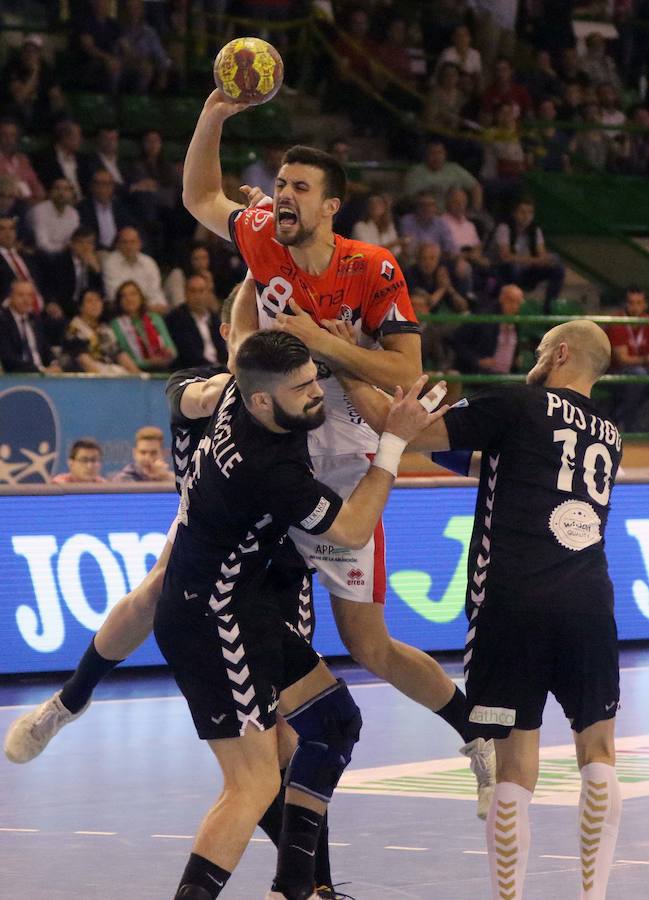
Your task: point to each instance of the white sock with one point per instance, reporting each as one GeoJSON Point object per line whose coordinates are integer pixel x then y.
{"type": "Point", "coordinates": [600, 809]}
{"type": "Point", "coordinates": [508, 840]}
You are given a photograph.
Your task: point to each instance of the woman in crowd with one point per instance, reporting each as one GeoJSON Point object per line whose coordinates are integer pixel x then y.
{"type": "Point", "coordinates": [378, 225]}
{"type": "Point", "coordinates": [196, 262]}
{"type": "Point", "coordinates": [92, 343]}
{"type": "Point", "coordinates": [142, 335]}
{"type": "Point", "coordinates": [444, 104]}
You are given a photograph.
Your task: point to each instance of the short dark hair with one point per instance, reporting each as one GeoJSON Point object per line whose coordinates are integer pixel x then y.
{"type": "Point", "coordinates": [634, 289]}
{"type": "Point", "coordinates": [226, 307]}
{"type": "Point", "coordinates": [266, 354]}
{"type": "Point", "coordinates": [86, 443]}
{"type": "Point", "coordinates": [81, 233]}
{"type": "Point", "coordinates": [335, 180]}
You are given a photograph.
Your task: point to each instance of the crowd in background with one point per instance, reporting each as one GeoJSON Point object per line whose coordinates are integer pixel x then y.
{"type": "Point", "coordinates": [103, 271]}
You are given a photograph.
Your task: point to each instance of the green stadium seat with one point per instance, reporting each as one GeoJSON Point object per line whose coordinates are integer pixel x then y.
{"type": "Point", "coordinates": [93, 111]}
{"type": "Point", "coordinates": [564, 306]}
{"type": "Point", "coordinates": [175, 150]}
{"type": "Point", "coordinates": [138, 114]}
{"type": "Point", "coordinates": [180, 116]}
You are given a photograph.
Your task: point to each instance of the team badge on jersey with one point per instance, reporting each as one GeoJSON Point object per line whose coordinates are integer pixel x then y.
{"type": "Point", "coordinates": [387, 270]}
{"type": "Point", "coordinates": [346, 313]}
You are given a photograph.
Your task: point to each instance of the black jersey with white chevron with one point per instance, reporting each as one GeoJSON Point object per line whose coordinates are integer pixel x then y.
{"type": "Point", "coordinates": [185, 433]}
{"type": "Point", "coordinates": [246, 486]}
{"type": "Point", "coordinates": [549, 461]}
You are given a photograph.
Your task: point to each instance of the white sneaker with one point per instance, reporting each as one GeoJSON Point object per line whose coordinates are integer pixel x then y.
{"type": "Point", "coordinates": [483, 765]}
{"type": "Point", "coordinates": [29, 735]}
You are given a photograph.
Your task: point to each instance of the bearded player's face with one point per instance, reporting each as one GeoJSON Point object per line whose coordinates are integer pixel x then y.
{"type": "Point", "coordinates": [298, 204]}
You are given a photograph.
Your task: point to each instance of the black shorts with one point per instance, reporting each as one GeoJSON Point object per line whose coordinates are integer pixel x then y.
{"type": "Point", "coordinates": [290, 581]}
{"type": "Point", "coordinates": [230, 669]}
{"type": "Point", "coordinates": [519, 655]}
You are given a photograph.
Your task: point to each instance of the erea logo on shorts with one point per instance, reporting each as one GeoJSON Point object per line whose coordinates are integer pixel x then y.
{"type": "Point", "coordinates": [493, 715]}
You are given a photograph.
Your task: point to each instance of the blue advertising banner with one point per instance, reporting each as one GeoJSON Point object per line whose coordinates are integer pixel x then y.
{"type": "Point", "coordinates": [67, 559]}
{"type": "Point", "coordinates": [40, 418]}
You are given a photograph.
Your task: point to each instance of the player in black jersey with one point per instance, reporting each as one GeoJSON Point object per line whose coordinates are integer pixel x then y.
{"type": "Point", "coordinates": [539, 598]}
{"type": "Point", "coordinates": [234, 657]}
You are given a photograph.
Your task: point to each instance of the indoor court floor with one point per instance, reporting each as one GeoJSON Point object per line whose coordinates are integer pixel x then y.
{"type": "Point", "coordinates": [108, 811]}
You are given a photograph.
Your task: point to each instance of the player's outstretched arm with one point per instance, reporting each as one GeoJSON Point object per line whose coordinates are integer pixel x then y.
{"type": "Point", "coordinates": [243, 319]}
{"type": "Point", "coordinates": [400, 363]}
{"type": "Point", "coordinates": [359, 515]}
{"type": "Point", "coordinates": [202, 178]}
{"type": "Point", "coordinates": [374, 406]}
{"type": "Point", "coordinates": [200, 398]}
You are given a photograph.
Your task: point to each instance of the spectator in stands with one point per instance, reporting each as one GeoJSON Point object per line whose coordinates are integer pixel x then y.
{"type": "Point", "coordinates": [591, 148]}
{"type": "Point", "coordinates": [465, 236]}
{"type": "Point", "coordinates": [572, 102]}
{"type": "Point", "coordinates": [569, 68]}
{"type": "Point", "coordinates": [107, 157]}
{"type": "Point", "coordinates": [495, 23]}
{"type": "Point", "coordinates": [23, 345]}
{"type": "Point", "coordinates": [17, 165]}
{"type": "Point", "coordinates": [355, 73]}
{"type": "Point", "coordinates": [65, 159]}
{"type": "Point", "coordinates": [393, 57]}
{"type": "Point", "coordinates": [141, 333]}
{"type": "Point", "coordinates": [30, 89]}
{"type": "Point", "coordinates": [84, 464]}
{"type": "Point", "coordinates": [430, 275]}
{"type": "Point", "coordinates": [436, 353]}
{"type": "Point", "coordinates": [437, 175]}
{"type": "Point", "coordinates": [491, 348]}
{"type": "Point", "coordinates": [92, 343]}
{"type": "Point", "coordinates": [55, 220]}
{"type": "Point", "coordinates": [425, 226]}
{"type": "Point", "coordinates": [610, 107]}
{"type": "Point", "coordinates": [504, 158]}
{"type": "Point", "coordinates": [195, 328]}
{"type": "Point", "coordinates": [377, 226]}
{"type": "Point", "coordinates": [145, 65]}
{"type": "Point", "coordinates": [505, 90]}
{"type": "Point", "coordinates": [547, 146]}
{"type": "Point", "coordinates": [102, 212]}
{"type": "Point", "coordinates": [462, 54]}
{"type": "Point", "coordinates": [630, 356]}
{"type": "Point", "coordinates": [597, 65]}
{"type": "Point", "coordinates": [76, 270]}
{"type": "Point", "coordinates": [263, 172]}
{"type": "Point", "coordinates": [148, 459]}
{"type": "Point", "coordinates": [542, 81]}
{"type": "Point", "coordinates": [630, 154]}
{"type": "Point", "coordinates": [445, 100]}
{"type": "Point", "coordinates": [152, 173]}
{"type": "Point", "coordinates": [197, 261]}
{"type": "Point", "coordinates": [521, 255]}
{"type": "Point", "coordinates": [12, 206]}
{"type": "Point", "coordinates": [128, 263]}
{"type": "Point", "coordinates": [16, 265]}
{"type": "Point", "coordinates": [98, 34]}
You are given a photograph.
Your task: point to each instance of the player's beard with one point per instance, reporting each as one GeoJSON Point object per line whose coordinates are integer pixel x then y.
{"type": "Point", "coordinates": [301, 236]}
{"type": "Point", "coordinates": [305, 421]}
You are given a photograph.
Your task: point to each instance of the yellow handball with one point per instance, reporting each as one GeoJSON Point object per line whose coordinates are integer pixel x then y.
{"type": "Point", "coordinates": [249, 70]}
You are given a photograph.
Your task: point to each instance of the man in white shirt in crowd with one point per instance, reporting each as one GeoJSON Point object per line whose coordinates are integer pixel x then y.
{"type": "Point", "coordinates": [102, 212]}
{"type": "Point", "coordinates": [491, 348]}
{"type": "Point", "coordinates": [128, 263]}
{"type": "Point", "coordinates": [195, 328]}
{"type": "Point", "coordinates": [55, 220]}
{"type": "Point", "coordinates": [107, 155]}
{"type": "Point", "coordinates": [14, 266]}
{"type": "Point", "coordinates": [65, 160]}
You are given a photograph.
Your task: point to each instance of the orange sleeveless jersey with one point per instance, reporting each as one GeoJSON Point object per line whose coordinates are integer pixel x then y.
{"type": "Point", "coordinates": [362, 284]}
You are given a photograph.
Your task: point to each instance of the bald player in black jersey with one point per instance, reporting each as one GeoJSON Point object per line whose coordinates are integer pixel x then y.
{"type": "Point", "coordinates": [539, 598]}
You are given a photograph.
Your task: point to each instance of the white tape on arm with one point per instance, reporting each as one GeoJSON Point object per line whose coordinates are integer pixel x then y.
{"type": "Point", "coordinates": [388, 453]}
{"type": "Point", "coordinates": [433, 398]}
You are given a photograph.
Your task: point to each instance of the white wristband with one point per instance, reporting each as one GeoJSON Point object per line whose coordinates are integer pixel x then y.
{"type": "Point", "coordinates": [388, 453]}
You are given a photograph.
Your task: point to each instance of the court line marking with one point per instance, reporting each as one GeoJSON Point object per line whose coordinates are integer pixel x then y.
{"type": "Point", "coordinates": [475, 852]}
{"type": "Point", "coordinates": [22, 830]}
{"type": "Point", "coordinates": [557, 856]}
{"type": "Point", "coordinates": [393, 847]}
{"type": "Point", "coordinates": [103, 833]}
{"type": "Point", "coordinates": [177, 837]}
{"type": "Point", "coordinates": [633, 862]}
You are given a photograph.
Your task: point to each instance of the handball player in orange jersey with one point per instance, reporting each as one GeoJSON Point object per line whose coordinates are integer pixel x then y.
{"type": "Point", "coordinates": [306, 275]}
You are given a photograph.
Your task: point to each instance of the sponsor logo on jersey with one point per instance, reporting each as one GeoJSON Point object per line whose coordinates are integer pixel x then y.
{"type": "Point", "coordinates": [352, 264]}
{"type": "Point", "coordinates": [274, 702]}
{"type": "Point", "coordinates": [29, 436]}
{"type": "Point", "coordinates": [493, 715]}
{"type": "Point", "coordinates": [387, 270]}
{"type": "Point", "coordinates": [575, 525]}
{"type": "Point", "coordinates": [393, 288]}
{"type": "Point", "coordinates": [258, 218]}
{"type": "Point", "coordinates": [355, 576]}
{"type": "Point", "coordinates": [317, 515]}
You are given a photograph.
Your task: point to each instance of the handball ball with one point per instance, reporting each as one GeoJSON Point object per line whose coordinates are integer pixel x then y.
{"type": "Point", "coordinates": [249, 70]}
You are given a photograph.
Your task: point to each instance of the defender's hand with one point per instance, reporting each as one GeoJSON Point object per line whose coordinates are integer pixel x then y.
{"type": "Point", "coordinates": [407, 417]}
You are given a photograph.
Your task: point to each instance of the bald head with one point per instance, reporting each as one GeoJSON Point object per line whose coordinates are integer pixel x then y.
{"type": "Point", "coordinates": [574, 354]}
